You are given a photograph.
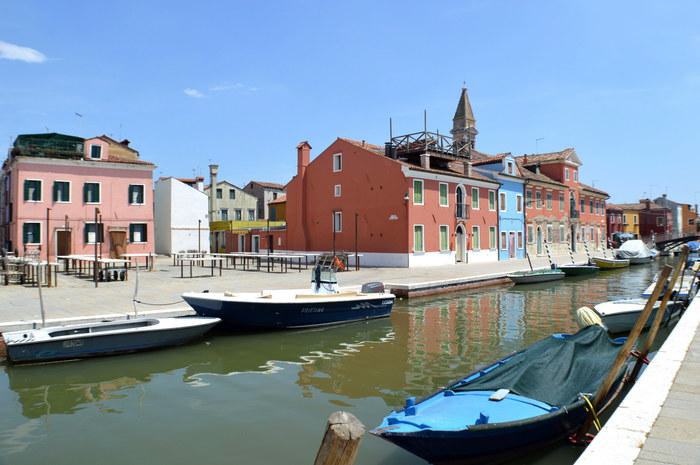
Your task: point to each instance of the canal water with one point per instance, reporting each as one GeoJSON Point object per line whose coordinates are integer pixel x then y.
{"type": "Point", "coordinates": [260, 399]}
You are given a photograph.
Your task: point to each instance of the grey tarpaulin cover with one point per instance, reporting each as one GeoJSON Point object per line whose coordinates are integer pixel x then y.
{"type": "Point", "coordinates": [633, 249]}
{"type": "Point", "coordinates": [554, 370]}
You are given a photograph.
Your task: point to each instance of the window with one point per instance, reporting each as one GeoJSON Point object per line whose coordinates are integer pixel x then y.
{"type": "Point", "coordinates": [659, 221]}
{"type": "Point", "coordinates": [91, 192]}
{"type": "Point", "coordinates": [274, 196]}
{"type": "Point", "coordinates": [566, 174]}
{"type": "Point", "coordinates": [238, 214]}
{"type": "Point", "coordinates": [583, 205]}
{"type": "Point", "coordinates": [550, 236]}
{"type": "Point", "coordinates": [475, 198]}
{"type": "Point", "coordinates": [528, 198]}
{"type": "Point", "coordinates": [519, 203]}
{"type": "Point", "coordinates": [476, 240]}
{"type": "Point", "coordinates": [137, 232]}
{"type": "Point", "coordinates": [61, 191]}
{"type": "Point", "coordinates": [443, 195]}
{"type": "Point", "coordinates": [224, 214]}
{"type": "Point", "coordinates": [337, 162]}
{"type": "Point", "coordinates": [337, 190]}
{"type": "Point", "coordinates": [338, 221]}
{"type": "Point", "coordinates": [504, 240]}
{"type": "Point", "coordinates": [417, 192]}
{"type": "Point", "coordinates": [538, 199]}
{"type": "Point", "coordinates": [492, 200]}
{"type": "Point", "coordinates": [624, 219]}
{"type": "Point", "coordinates": [635, 219]}
{"type": "Point", "coordinates": [418, 238]}
{"type": "Point", "coordinates": [232, 194]}
{"type": "Point", "coordinates": [31, 233]}
{"type": "Point", "coordinates": [95, 152]}
{"type": "Point", "coordinates": [509, 167]}
{"type": "Point", "coordinates": [549, 200]}
{"type": "Point", "coordinates": [575, 175]}
{"type": "Point", "coordinates": [502, 205]}
{"type": "Point", "coordinates": [444, 238]}
{"type": "Point", "coordinates": [93, 233]}
{"type": "Point", "coordinates": [251, 214]}
{"type": "Point", "coordinates": [136, 194]}
{"type": "Point", "coordinates": [590, 206]}
{"type": "Point", "coordinates": [32, 190]}
{"type": "Point", "coordinates": [561, 201]}
{"type": "Point", "coordinates": [530, 234]}
{"type": "Point", "coordinates": [562, 233]}
{"type": "Point", "coordinates": [492, 238]}
{"type": "Point", "coordinates": [520, 239]}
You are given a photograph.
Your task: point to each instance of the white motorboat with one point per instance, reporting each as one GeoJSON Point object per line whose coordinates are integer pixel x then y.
{"type": "Point", "coordinates": [619, 316]}
{"type": "Point", "coordinates": [102, 338]}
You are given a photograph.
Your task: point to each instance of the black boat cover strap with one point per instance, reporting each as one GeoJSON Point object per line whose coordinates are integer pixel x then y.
{"type": "Point", "coordinates": [554, 370]}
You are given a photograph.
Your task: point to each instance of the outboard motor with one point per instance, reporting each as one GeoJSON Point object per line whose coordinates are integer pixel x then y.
{"type": "Point", "coordinates": [373, 288]}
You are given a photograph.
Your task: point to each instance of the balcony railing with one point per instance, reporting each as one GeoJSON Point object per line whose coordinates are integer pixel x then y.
{"type": "Point", "coordinates": [425, 141]}
{"type": "Point", "coordinates": [462, 212]}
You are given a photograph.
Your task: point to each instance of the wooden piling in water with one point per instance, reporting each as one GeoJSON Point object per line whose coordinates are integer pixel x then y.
{"type": "Point", "coordinates": [341, 440]}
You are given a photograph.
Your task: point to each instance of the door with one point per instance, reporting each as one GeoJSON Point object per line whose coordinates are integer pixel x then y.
{"type": "Point", "coordinates": [539, 240]}
{"type": "Point", "coordinates": [63, 242]}
{"type": "Point", "coordinates": [459, 244]}
{"type": "Point", "coordinates": [241, 243]}
{"type": "Point", "coordinates": [117, 243]}
{"type": "Point", "coordinates": [256, 244]}
{"type": "Point", "coordinates": [511, 244]}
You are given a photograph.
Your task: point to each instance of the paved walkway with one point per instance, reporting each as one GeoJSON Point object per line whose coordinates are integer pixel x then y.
{"type": "Point", "coordinates": [77, 299]}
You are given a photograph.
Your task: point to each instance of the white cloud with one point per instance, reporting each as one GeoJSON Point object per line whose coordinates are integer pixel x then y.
{"type": "Point", "coordinates": [194, 93]}
{"type": "Point", "coordinates": [10, 51]}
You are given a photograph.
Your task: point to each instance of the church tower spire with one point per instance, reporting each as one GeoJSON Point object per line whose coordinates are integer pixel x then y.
{"type": "Point", "coordinates": [463, 123]}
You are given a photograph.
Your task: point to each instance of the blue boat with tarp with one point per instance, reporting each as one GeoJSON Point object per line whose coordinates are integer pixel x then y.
{"type": "Point", "coordinates": [520, 403]}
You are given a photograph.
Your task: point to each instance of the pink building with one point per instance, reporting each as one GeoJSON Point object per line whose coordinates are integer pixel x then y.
{"type": "Point", "coordinates": [52, 186]}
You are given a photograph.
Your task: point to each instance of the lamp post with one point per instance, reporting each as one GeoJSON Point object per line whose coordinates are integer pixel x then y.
{"type": "Point", "coordinates": [94, 265]}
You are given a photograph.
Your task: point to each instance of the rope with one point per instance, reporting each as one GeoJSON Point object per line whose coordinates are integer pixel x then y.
{"type": "Point", "coordinates": [596, 420]}
{"type": "Point", "coordinates": [158, 304]}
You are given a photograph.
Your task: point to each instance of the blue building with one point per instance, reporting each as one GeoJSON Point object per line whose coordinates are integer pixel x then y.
{"type": "Point", "coordinates": [509, 202]}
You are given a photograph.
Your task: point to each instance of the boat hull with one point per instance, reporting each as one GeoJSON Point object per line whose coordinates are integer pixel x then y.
{"type": "Point", "coordinates": [611, 264]}
{"type": "Point", "coordinates": [579, 270]}
{"type": "Point", "coordinates": [246, 315]}
{"type": "Point", "coordinates": [536, 277]}
{"type": "Point", "coordinates": [86, 346]}
{"type": "Point", "coordinates": [640, 260]}
{"type": "Point", "coordinates": [623, 321]}
{"type": "Point", "coordinates": [489, 443]}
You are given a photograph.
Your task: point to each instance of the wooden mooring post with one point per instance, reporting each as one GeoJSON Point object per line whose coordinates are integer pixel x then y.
{"type": "Point", "coordinates": [341, 440]}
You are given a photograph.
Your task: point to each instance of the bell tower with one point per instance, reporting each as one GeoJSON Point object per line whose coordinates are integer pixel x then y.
{"type": "Point", "coordinates": [463, 123]}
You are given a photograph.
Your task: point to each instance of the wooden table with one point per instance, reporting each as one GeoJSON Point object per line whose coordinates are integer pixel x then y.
{"type": "Point", "coordinates": [200, 260]}
{"type": "Point", "coordinates": [150, 259]}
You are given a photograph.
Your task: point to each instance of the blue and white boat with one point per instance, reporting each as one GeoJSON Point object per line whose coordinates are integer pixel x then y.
{"type": "Point", "coordinates": [619, 316]}
{"type": "Point", "coordinates": [522, 402]}
{"type": "Point", "coordinates": [103, 338]}
{"type": "Point", "coordinates": [324, 304]}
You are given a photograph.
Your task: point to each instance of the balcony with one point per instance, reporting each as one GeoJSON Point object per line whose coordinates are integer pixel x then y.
{"type": "Point", "coordinates": [462, 211]}
{"type": "Point", "coordinates": [424, 142]}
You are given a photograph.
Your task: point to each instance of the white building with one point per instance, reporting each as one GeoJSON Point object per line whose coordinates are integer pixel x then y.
{"type": "Point", "coordinates": [181, 218]}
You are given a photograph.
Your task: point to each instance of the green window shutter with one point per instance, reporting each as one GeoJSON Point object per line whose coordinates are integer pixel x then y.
{"type": "Point", "coordinates": [85, 234]}
{"type": "Point", "coordinates": [100, 233]}
{"type": "Point", "coordinates": [144, 236]}
{"type": "Point", "coordinates": [85, 194]}
{"type": "Point", "coordinates": [55, 191]}
{"type": "Point", "coordinates": [26, 190]}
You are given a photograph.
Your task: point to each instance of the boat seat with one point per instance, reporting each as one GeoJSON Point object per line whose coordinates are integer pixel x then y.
{"type": "Point", "coordinates": [499, 395]}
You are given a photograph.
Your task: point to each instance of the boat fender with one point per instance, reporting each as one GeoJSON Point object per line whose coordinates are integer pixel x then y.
{"type": "Point", "coordinates": [483, 419]}
{"type": "Point", "coordinates": [449, 393]}
{"type": "Point", "coordinates": [205, 291]}
{"type": "Point", "coordinates": [410, 406]}
{"type": "Point", "coordinates": [586, 317]}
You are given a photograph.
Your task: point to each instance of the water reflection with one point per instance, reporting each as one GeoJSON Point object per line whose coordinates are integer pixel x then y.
{"type": "Point", "coordinates": [218, 383]}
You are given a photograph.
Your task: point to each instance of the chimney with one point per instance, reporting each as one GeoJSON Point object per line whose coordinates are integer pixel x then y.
{"type": "Point", "coordinates": [213, 172]}
{"type": "Point", "coordinates": [647, 202]}
{"type": "Point", "coordinates": [125, 142]}
{"type": "Point", "coordinates": [303, 157]}
{"type": "Point", "coordinates": [425, 161]}
{"type": "Point", "coordinates": [199, 183]}
{"type": "Point", "coordinates": [537, 168]}
{"type": "Point", "coordinates": [468, 168]}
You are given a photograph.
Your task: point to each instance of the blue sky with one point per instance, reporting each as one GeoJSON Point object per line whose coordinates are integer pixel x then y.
{"type": "Point", "coordinates": [241, 83]}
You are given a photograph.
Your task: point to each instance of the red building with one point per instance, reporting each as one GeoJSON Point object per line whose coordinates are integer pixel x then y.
{"type": "Point", "coordinates": [559, 207]}
{"type": "Point", "coordinates": [614, 221]}
{"type": "Point", "coordinates": [401, 205]}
